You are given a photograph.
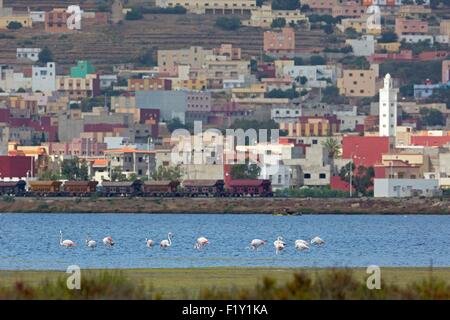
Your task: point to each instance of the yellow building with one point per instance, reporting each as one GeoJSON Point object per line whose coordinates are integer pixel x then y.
{"type": "Point", "coordinates": [315, 127]}
{"type": "Point", "coordinates": [444, 27]}
{"type": "Point", "coordinates": [191, 84]}
{"type": "Point", "coordinates": [193, 56]}
{"type": "Point", "coordinates": [359, 24]}
{"type": "Point", "coordinates": [358, 82]}
{"type": "Point", "coordinates": [263, 16]}
{"type": "Point", "coordinates": [254, 91]}
{"type": "Point", "coordinates": [211, 7]}
{"type": "Point", "coordinates": [389, 46]}
{"type": "Point", "coordinates": [25, 20]}
{"type": "Point", "coordinates": [413, 11]}
{"type": "Point", "coordinates": [279, 67]}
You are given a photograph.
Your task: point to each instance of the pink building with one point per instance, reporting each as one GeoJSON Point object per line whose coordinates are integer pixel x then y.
{"type": "Point", "coordinates": [228, 50]}
{"type": "Point", "coordinates": [77, 147]}
{"type": "Point", "coordinates": [445, 71]}
{"type": "Point", "coordinates": [352, 10]}
{"type": "Point", "coordinates": [276, 41]}
{"type": "Point", "coordinates": [410, 26]}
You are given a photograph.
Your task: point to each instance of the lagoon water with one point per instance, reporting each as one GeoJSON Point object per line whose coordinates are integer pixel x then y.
{"type": "Point", "coordinates": [31, 241]}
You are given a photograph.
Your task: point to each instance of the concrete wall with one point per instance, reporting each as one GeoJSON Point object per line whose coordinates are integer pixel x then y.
{"type": "Point", "coordinates": [395, 188]}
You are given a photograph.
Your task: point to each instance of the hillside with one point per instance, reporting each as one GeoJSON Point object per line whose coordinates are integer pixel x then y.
{"type": "Point", "coordinates": [106, 45]}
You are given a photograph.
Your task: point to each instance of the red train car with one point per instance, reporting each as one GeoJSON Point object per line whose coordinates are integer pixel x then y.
{"type": "Point", "coordinates": [250, 187]}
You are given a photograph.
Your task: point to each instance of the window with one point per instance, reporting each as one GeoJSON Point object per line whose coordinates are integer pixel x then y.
{"type": "Point", "coordinates": [322, 176]}
{"type": "Point", "coordinates": [307, 176]}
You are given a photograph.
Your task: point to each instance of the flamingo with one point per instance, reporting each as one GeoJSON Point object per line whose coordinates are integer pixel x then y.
{"type": "Point", "coordinates": [91, 243]}
{"type": "Point", "coordinates": [65, 243]}
{"type": "Point", "coordinates": [149, 243]}
{"type": "Point", "coordinates": [256, 243]}
{"type": "Point", "coordinates": [201, 242]}
{"type": "Point", "coordinates": [166, 242]}
{"type": "Point", "coordinates": [317, 241]}
{"type": "Point", "coordinates": [279, 244]}
{"type": "Point", "coordinates": [301, 245]}
{"type": "Point", "coordinates": [108, 241]}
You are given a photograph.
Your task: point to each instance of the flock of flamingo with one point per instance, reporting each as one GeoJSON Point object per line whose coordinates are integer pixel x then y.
{"type": "Point", "coordinates": [201, 242]}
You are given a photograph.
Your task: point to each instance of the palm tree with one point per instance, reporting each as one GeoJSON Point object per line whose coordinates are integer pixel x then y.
{"type": "Point", "coordinates": [333, 147]}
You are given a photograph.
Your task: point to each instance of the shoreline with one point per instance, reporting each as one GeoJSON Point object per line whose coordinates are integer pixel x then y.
{"type": "Point", "coordinates": [275, 206]}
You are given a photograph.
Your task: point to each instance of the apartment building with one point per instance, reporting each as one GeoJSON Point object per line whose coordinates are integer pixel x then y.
{"type": "Point", "coordinates": [358, 82]}
{"type": "Point", "coordinates": [219, 69]}
{"type": "Point", "coordinates": [209, 7]}
{"type": "Point", "coordinates": [410, 26]}
{"type": "Point", "coordinates": [276, 41]}
{"type": "Point", "coordinates": [79, 88]}
{"type": "Point", "coordinates": [150, 84]}
{"type": "Point", "coordinates": [44, 78]}
{"type": "Point", "coordinates": [56, 20]}
{"type": "Point", "coordinates": [311, 126]}
{"type": "Point", "coordinates": [193, 56]}
{"type": "Point", "coordinates": [263, 17]}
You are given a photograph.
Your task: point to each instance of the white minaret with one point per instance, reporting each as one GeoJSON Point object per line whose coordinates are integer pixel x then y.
{"type": "Point", "coordinates": [388, 108]}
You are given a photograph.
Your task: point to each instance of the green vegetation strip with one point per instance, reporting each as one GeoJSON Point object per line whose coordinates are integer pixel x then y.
{"type": "Point", "coordinates": [227, 283]}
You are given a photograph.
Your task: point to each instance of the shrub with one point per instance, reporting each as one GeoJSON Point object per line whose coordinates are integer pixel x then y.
{"type": "Point", "coordinates": [14, 25]}
{"type": "Point", "coordinates": [314, 192]}
{"type": "Point", "coordinates": [157, 10]}
{"type": "Point", "coordinates": [8, 198]}
{"type": "Point", "coordinates": [134, 14]}
{"type": "Point", "coordinates": [228, 23]}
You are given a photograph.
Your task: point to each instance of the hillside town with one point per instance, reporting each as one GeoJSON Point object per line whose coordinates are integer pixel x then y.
{"type": "Point", "coordinates": [365, 111]}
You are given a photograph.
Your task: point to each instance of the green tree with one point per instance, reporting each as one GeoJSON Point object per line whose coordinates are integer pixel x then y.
{"type": "Point", "coordinates": [332, 146]}
{"type": "Point", "coordinates": [278, 93]}
{"type": "Point", "coordinates": [278, 23]}
{"type": "Point", "coordinates": [74, 169]}
{"type": "Point", "coordinates": [147, 57]}
{"type": "Point", "coordinates": [362, 179]}
{"type": "Point", "coordinates": [117, 175]}
{"type": "Point", "coordinates": [351, 33]}
{"type": "Point", "coordinates": [317, 60]}
{"type": "Point", "coordinates": [228, 23]}
{"type": "Point", "coordinates": [45, 56]}
{"type": "Point", "coordinates": [328, 29]}
{"type": "Point", "coordinates": [14, 25]}
{"type": "Point", "coordinates": [134, 14]}
{"type": "Point", "coordinates": [176, 123]}
{"type": "Point", "coordinates": [331, 95]}
{"type": "Point", "coordinates": [285, 4]}
{"type": "Point", "coordinates": [388, 36]}
{"type": "Point", "coordinates": [245, 171]}
{"type": "Point", "coordinates": [167, 173]}
{"type": "Point", "coordinates": [432, 117]}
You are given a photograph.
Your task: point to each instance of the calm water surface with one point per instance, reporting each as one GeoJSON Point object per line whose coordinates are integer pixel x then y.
{"type": "Point", "coordinates": [31, 241]}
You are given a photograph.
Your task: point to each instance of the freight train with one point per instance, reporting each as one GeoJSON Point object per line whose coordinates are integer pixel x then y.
{"type": "Point", "coordinates": [138, 188]}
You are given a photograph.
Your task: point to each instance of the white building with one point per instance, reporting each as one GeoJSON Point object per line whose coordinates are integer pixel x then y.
{"type": "Point", "coordinates": [13, 81]}
{"type": "Point", "coordinates": [44, 78]}
{"type": "Point", "coordinates": [316, 76]}
{"type": "Point", "coordinates": [415, 38]}
{"type": "Point", "coordinates": [37, 16]}
{"type": "Point", "coordinates": [397, 188]}
{"type": "Point", "coordinates": [388, 108]}
{"type": "Point", "coordinates": [31, 54]}
{"type": "Point", "coordinates": [362, 47]}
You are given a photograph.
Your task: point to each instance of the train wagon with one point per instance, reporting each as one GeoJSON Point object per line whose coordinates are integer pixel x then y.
{"type": "Point", "coordinates": [160, 188]}
{"type": "Point", "coordinates": [121, 189]}
{"type": "Point", "coordinates": [250, 187]}
{"type": "Point", "coordinates": [80, 188]}
{"type": "Point", "coordinates": [195, 188]}
{"type": "Point", "coordinates": [12, 187]}
{"type": "Point", "coordinates": [45, 188]}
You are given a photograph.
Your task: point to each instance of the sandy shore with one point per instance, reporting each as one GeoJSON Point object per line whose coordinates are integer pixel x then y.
{"type": "Point", "coordinates": [227, 205]}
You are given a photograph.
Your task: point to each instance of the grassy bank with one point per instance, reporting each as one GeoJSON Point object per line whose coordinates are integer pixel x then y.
{"type": "Point", "coordinates": [217, 282]}
{"type": "Point", "coordinates": [227, 205]}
